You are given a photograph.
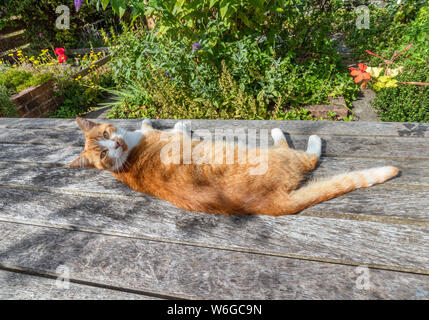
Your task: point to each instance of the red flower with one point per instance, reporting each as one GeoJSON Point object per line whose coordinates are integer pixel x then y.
{"type": "Point", "coordinates": [62, 58]}
{"type": "Point", "coordinates": [60, 52]}
{"type": "Point", "coordinates": [360, 74]}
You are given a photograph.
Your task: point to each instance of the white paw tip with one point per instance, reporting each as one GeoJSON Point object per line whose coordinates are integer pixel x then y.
{"type": "Point", "coordinates": [181, 126]}
{"type": "Point", "coordinates": [314, 139]}
{"type": "Point", "coordinates": [314, 145]}
{"type": "Point", "coordinates": [277, 134]}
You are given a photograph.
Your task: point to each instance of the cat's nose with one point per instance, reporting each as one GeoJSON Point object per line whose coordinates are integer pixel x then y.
{"type": "Point", "coordinates": [117, 144]}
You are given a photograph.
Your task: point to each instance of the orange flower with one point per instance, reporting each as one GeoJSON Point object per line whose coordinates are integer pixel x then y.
{"type": "Point", "coordinates": [360, 74]}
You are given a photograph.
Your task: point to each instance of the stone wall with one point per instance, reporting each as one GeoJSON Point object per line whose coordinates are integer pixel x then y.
{"type": "Point", "coordinates": [37, 101]}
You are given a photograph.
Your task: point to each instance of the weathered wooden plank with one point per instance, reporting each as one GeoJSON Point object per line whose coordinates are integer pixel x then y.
{"type": "Point", "coordinates": [195, 272]}
{"type": "Point", "coordinates": [413, 173]}
{"type": "Point", "coordinates": [12, 41]}
{"type": "Point", "coordinates": [292, 127]}
{"type": "Point", "coordinates": [39, 153]}
{"type": "Point", "coordinates": [398, 246]}
{"type": "Point", "coordinates": [18, 286]}
{"type": "Point", "coordinates": [349, 146]}
{"type": "Point", "coordinates": [410, 202]}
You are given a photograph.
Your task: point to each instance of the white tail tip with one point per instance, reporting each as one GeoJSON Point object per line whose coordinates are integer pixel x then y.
{"type": "Point", "coordinates": [379, 175]}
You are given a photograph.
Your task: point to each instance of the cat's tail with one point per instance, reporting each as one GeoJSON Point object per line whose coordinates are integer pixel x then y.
{"type": "Point", "coordinates": [322, 190]}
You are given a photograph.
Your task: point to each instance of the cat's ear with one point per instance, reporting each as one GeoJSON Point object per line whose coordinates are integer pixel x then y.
{"type": "Point", "coordinates": [81, 162]}
{"type": "Point", "coordinates": [84, 124]}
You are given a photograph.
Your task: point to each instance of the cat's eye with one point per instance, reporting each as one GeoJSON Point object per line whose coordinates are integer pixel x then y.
{"type": "Point", "coordinates": [106, 135]}
{"type": "Point", "coordinates": [103, 154]}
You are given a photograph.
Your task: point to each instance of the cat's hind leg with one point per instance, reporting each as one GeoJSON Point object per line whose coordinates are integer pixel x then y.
{"type": "Point", "coordinates": [146, 125]}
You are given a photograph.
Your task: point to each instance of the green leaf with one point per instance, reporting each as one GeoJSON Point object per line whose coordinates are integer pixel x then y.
{"type": "Point", "coordinates": [178, 6]}
{"type": "Point", "coordinates": [163, 29]}
{"type": "Point", "coordinates": [224, 5]}
{"type": "Point", "coordinates": [119, 7]}
{"type": "Point", "coordinates": [257, 3]}
{"type": "Point", "coordinates": [212, 3]}
{"type": "Point", "coordinates": [104, 3]}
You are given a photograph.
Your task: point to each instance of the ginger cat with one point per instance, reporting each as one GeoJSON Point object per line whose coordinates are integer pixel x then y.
{"type": "Point", "coordinates": [138, 159]}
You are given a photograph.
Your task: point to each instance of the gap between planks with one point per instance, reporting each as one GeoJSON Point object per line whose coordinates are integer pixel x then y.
{"type": "Point", "coordinates": [210, 246]}
{"type": "Point", "coordinates": [50, 275]}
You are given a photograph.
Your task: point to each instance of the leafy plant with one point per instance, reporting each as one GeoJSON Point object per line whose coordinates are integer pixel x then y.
{"type": "Point", "coordinates": [7, 108]}
{"type": "Point", "coordinates": [38, 17]}
{"type": "Point", "coordinates": [270, 74]}
{"type": "Point", "coordinates": [16, 80]}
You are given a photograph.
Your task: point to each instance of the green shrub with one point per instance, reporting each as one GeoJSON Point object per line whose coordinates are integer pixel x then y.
{"type": "Point", "coordinates": [270, 74]}
{"type": "Point", "coordinates": [16, 80]}
{"type": "Point", "coordinates": [159, 98]}
{"type": "Point", "coordinates": [7, 108]}
{"type": "Point", "coordinates": [38, 17]}
{"type": "Point", "coordinates": [405, 103]}
{"type": "Point", "coordinates": [83, 94]}
{"type": "Point", "coordinates": [393, 28]}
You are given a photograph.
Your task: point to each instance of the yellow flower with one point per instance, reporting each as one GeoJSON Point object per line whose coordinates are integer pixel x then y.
{"type": "Point", "coordinates": [374, 71]}
{"type": "Point", "coordinates": [394, 72]}
{"type": "Point", "coordinates": [10, 54]}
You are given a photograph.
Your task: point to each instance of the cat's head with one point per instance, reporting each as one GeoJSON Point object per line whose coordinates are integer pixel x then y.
{"type": "Point", "coordinates": [105, 146]}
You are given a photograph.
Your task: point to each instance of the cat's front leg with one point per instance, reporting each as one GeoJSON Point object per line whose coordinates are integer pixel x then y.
{"type": "Point", "coordinates": [314, 146]}
{"type": "Point", "coordinates": [279, 138]}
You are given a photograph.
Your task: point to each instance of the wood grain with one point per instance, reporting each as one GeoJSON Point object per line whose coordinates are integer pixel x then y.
{"type": "Point", "coordinates": [319, 238]}
{"type": "Point", "coordinates": [294, 127]}
{"type": "Point", "coordinates": [193, 272]}
{"type": "Point", "coordinates": [19, 286]}
{"type": "Point", "coordinates": [375, 201]}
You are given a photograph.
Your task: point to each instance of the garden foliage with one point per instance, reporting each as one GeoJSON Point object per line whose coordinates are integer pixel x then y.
{"type": "Point", "coordinates": [38, 17]}
{"type": "Point", "coordinates": [276, 55]}
{"type": "Point", "coordinates": [392, 29]}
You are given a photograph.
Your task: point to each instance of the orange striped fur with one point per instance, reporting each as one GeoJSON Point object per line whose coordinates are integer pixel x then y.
{"type": "Point", "coordinates": [135, 159]}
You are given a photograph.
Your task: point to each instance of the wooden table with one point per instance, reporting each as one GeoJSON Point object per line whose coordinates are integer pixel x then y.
{"type": "Point", "coordinates": [115, 243]}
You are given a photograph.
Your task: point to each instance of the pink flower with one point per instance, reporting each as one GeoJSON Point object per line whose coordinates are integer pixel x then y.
{"type": "Point", "coordinates": [40, 34]}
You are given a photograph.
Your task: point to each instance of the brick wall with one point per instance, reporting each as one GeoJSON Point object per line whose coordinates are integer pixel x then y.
{"type": "Point", "coordinates": [37, 101]}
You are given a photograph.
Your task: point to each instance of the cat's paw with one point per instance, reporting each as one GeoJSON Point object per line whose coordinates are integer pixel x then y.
{"type": "Point", "coordinates": [314, 145]}
{"type": "Point", "coordinates": [182, 126]}
{"type": "Point", "coordinates": [277, 135]}
{"type": "Point", "coordinates": [146, 125]}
